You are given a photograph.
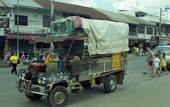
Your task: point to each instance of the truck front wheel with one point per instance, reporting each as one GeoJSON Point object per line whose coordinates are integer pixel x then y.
{"type": "Point", "coordinates": [110, 83]}
{"type": "Point", "coordinates": [34, 97]}
{"type": "Point", "coordinates": [58, 97]}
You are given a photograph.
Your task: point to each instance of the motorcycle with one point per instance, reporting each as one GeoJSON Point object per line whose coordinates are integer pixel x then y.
{"type": "Point", "coordinates": [28, 60]}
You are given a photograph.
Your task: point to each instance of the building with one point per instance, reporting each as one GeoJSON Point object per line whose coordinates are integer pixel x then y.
{"type": "Point", "coordinates": [34, 21]}
{"type": "Point", "coordinates": [140, 31]}
{"type": "Point", "coordinates": [35, 18]}
{"type": "Point", "coordinates": [6, 17]}
{"type": "Point", "coordinates": [165, 32]}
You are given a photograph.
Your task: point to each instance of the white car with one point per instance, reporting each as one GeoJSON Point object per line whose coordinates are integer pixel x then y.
{"type": "Point", "coordinates": [166, 50]}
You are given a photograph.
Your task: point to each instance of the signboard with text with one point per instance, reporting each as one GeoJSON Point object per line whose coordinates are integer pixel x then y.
{"type": "Point", "coordinates": [116, 61]}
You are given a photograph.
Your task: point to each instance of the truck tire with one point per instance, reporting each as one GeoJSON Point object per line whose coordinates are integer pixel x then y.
{"type": "Point", "coordinates": [58, 96]}
{"type": "Point", "coordinates": [85, 84]}
{"type": "Point", "coordinates": [110, 83]}
{"type": "Point", "coordinates": [34, 97]}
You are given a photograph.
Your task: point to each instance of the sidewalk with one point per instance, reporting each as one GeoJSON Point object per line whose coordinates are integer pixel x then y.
{"type": "Point", "coordinates": [132, 55]}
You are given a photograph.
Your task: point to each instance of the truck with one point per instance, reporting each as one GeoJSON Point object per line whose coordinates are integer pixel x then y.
{"type": "Point", "coordinates": [95, 53]}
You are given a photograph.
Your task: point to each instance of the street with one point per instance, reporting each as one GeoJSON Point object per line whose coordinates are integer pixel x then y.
{"type": "Point", "coordinates": [139, 90]}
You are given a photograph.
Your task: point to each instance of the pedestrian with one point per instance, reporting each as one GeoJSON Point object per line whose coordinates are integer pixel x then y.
{"type": "Point", "coordinates": [137, 51]}
{"type": "Point", "coordinates": [156, 63]}
{"type": "Point", "coordinates": [23, 57]}
{"type": "Point", "coordinates": [160, 57]}
{"type": "Point", "coordinates": [163, 63]}
{"type": "Point", "coordinates": [149, 59]}
{"type": "Point", "coordinates": [134, 50]}
{"type": "Point", "coordinates": [14, 61]}
{"type": "Point", "coordinates": [159, 54]}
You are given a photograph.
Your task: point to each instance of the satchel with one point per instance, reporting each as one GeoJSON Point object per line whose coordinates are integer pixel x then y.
{"type": "Point", "coordinates": [18, 61]}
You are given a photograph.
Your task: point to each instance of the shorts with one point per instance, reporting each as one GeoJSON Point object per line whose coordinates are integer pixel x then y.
{"type": "Point", "coordinates": [150, 63]}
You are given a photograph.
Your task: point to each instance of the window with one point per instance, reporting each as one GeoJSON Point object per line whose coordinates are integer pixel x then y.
{"type": "Point", "coordinates": [23, 20]}
{"type": "Point", "coordinates": [150, 31]}
{"type": "Point", "coordinates": [141, 30]}
{"type": "Point", "coordinates": [165, 31]}
{"type": "Point", "coordinates": [47, 20]}
{"type": "Point", "coordinates": [132, 31]}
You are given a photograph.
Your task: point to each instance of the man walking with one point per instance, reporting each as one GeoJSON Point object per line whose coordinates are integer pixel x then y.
{"type": "Point", "coordinates": [149, 59]}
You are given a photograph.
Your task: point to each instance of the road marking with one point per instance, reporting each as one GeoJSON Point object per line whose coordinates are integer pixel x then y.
{"type": "Point", "coordinates": [7, 76]}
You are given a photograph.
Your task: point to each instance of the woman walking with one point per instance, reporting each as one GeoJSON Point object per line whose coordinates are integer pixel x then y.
{"type": "Point", "coordinates": [163, 63]}
{"type": "Point", "coordinates": [14, 62]}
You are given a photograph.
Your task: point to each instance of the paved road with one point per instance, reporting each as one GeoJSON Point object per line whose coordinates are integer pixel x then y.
{"type": "Point", "coordinates": [139, 90]}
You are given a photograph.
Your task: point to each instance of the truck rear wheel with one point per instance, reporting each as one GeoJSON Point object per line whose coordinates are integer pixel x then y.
{"type": "Point", "coordinates": [58, 97]}
{"type": "Point", "coordinates": [110, 83]}
{"type": "Point", "coordinates": [34, 97]}
{"type": "Point", "coordinates": [85, 84]}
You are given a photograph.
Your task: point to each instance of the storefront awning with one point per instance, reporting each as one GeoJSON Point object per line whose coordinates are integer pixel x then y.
{"type": "Point", "coordinates": [165, 38]}
{"type": "Point", "coordinates": [25, 37]}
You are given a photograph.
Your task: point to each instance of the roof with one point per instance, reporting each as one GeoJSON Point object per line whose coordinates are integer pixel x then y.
{"type": "Point", "coordinates": [117, 16]}
{"type": "Point", "coordinates": [125, 18]}
{"type": "Point", "coordinates": [65, 7]}
{"type": "Point", "coordinates": [4, 3]}
{"type": "Point", "coordinates": [25, 3]}
{"type": "Point", "coordinates": [137, 19]}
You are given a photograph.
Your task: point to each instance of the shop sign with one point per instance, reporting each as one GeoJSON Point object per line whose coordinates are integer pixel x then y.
{"type": "Point", "coordinates": [116, 61]}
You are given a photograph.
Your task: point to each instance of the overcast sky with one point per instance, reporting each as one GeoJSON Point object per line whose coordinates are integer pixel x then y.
{"type": "Point", "coordinates": [151, 3]}
{"type": "Point", "coordinates": [151, 6]}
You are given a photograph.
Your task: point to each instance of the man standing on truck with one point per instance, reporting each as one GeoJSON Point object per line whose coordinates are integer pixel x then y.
{"type": "Point", "coordinates": [149, 59]}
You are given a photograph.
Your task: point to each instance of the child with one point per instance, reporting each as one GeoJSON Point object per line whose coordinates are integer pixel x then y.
{"type": "Point", "coordinates": [156, 63]}
{"type": "Point", "coordinates": [163, 63]}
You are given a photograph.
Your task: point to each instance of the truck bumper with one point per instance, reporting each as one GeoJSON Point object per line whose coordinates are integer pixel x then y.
{"type": "Point", "coordinates": [26, 86]}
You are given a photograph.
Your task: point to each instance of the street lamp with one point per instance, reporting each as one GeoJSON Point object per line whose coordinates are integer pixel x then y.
{"type": "Point", "coordinates": [17, 28]}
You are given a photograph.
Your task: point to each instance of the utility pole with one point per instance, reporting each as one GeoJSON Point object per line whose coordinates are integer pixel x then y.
{"type": "Point", "coordinates": [52, 19]}
{"type": "Point", "coordinates": [52, 14]}
{"type": "Point", "coordinates": [18, 28]}
{"type": "Point", "coordinates": [160, 25]}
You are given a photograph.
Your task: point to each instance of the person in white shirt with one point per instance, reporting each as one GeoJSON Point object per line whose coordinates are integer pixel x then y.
{"type": "Point", "coordinates": [156, 63]}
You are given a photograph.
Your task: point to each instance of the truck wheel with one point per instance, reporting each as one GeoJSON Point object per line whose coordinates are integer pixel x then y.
{"type": "Point", "coordinates": [110, 83]}
{"type": "Point", "coordinates": [85, 84]}
{"type": "Point", "coordinates": [58, 97]}
{"type": "Point", "coordinates": [34, 97]}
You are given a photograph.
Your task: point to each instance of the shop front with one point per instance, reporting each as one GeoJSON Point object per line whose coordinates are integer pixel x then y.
{"type": "Point", "coordinates": [164, 41]}
{"type": "Point", "coordinates": [2, 46]}
{"type": "Point", "coordinates": [26, 42]}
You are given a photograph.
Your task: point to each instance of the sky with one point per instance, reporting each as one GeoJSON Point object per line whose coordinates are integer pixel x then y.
{"type": "Point", "coordinates": [151, 6]}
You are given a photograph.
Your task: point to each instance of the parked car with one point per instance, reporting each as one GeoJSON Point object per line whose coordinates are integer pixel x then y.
{"type": "Point", "coordinates": [166, 50]}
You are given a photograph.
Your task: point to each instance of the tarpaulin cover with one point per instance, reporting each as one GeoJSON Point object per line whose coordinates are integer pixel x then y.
{"type": "Point", "coordinates": [106, 37]}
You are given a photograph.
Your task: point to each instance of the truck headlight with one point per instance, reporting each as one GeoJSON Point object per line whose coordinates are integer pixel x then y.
{"type": "Point", "coordinates": [23, 76]}
{"type": "Point", "coordinates": [39, 81]}
{"type": "Point", "coordinates": [19, 76]}
{"type": "Point", "coordinates": [43, 81]}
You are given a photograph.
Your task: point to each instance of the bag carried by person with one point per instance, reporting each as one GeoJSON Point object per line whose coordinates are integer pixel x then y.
{"type": "Point", "coordinates": [18, 61]}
